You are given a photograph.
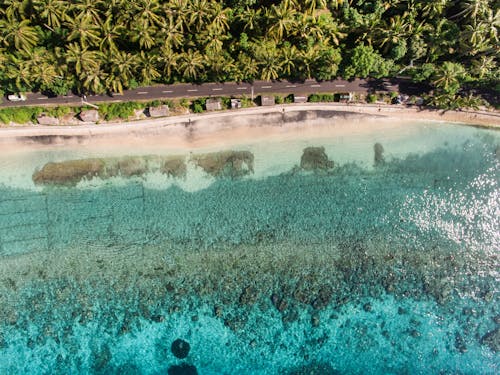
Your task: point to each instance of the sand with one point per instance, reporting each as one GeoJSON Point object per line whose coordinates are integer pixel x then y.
{"type": "Point", "coordinates": [231, 128]}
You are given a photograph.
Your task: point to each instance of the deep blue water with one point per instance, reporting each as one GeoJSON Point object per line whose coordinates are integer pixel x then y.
{"type": "Point", "coordinates": [385, 270]}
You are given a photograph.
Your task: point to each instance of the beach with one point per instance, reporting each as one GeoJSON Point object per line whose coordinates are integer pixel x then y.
{"type": "Point", "coordinates": [180, 128]}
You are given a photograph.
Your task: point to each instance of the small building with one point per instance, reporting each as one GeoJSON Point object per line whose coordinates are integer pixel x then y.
{"type": "Point", "coordinates": [44, 119]}
{"type": "Point", "coordinates": [299, 99]}
{"type": "Point", "coordinates": [159, 111]}
{"type": "Point", "coordinates": [267, 100]}
{"type": "Point", "coordinates": [235, 103]}
{"type": "Point", "coordinates": [213, 104]}
{"type": "Point", "coordinates": [89, 115]}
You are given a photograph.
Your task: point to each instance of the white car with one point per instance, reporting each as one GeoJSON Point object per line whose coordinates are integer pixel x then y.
{"type": "Point", "coordinates": [16, 97]}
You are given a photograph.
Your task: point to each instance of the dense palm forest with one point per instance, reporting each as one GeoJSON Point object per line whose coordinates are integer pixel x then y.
{"type": "Point", "coordinates": [111, 45]}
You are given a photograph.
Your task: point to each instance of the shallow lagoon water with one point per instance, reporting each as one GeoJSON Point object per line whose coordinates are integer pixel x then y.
{"type": "Point", "coordinates": [265, 264]}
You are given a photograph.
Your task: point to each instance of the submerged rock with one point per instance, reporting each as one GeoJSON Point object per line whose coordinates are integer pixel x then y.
{"type": "Point", "coordinates": [226, 163]}
{"type": "Point", "coordinates": [379, 153]}
{"type": "Point", "coordinates": [180, 348]}
{"type": "Point", "coordinates": [69, 173]}
{"type": "Point", "coordinates": [174, 167]}
{"type": "Point", "coordinates": [315, 158]}
{"type": "Point", "coordinates": [183, 369]}
{"type": "Point", "coordinates": [492, 340]}
{"type": "Point", "coordinates": [460, 343]}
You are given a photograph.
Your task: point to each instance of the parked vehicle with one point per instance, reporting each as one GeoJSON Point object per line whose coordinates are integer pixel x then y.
{"type": "Point", "coordinates": [16, 97]}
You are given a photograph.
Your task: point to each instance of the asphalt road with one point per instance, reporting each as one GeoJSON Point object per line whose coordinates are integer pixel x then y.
{"type": "Point", "coordinates": [225, 89]}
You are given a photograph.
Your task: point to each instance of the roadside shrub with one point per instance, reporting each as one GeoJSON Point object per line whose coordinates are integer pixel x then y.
{"type": "Point", "coordinates": [372, 98]}
{"type": "Point", "coordinates": [278, 99]}
{"type": "Point", "coordinates": [118, 110]}
{"type": "Point", "coordinates": [317, 98]}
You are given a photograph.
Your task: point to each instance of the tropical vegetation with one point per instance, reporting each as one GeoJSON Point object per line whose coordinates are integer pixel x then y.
{"type": "Point", "coordinates": [98, 46]}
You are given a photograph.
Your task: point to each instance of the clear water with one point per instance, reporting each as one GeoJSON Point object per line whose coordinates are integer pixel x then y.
{"type": "Point", "coordinates": [387, 269]}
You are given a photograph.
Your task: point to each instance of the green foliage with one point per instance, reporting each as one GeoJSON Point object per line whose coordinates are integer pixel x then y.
{"type": "Point", "coordinates": [111, 46]}
{"type": "Point", "coordinates": [20, 115]}
{"type": "Point", "coordinates": [118, 110]}
{"type": "Point", "coordinates": [448, 76]}
{"type": "Point", "coordinates": [371, 98]}
{"type": "Point", "coordinates": [364, 62]}
{"type": "Point", "coordinates": [58, 111]}
{"type": "Point", "coordinates": [185, 103]}
{"type": "Point", "coordinates": [278, 99]}
{"type": "Point", "coordinates": [318, 98]}
{"type": "Point", "coordinates": [198, 105]}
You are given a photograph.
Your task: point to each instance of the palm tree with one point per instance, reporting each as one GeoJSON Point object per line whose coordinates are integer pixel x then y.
{"type": "Point", "coordinates": [220, 21]}
{"type": "Point", "coordinates": [87, 9]}
{"type": "Point", "coordinates": [191, 65]}
{"type": "Point", "coordinates": [84, 29]}
{"type": "Point", "coordinates": [52, 11]}
{"type": "Point", "coordinates": [172, 31]}
{"type": "Point", "coordinates": [148, 10]}
{"type": "Point", "coordinates": [483, 66]}
{"type": "Point", "coordinates": [268, 60]}
{"type": "Point", "coordinates": [282, 19]}
{"type": "Point", "coordinates": [199, 11]}
{"type": "Point", "coordinates": [251, 18]}
{"type": "Point", "coordinates": [110, 32]}
{"type": "Point", "coordinates": [148, 67]}
{"type": "Point", "coordinates": [288, 55]}
{"type": "Point", "coordinates": [18, 34]}
{"type": "Point", "coordinates": [168, 60]}
{"type": "Point", "coordinates": [94, 81]}
{"type": "Point", "coordinates": [81, 59]}
{"type": "Point", "coordinates": [246, 68]}
{"type": "Point", "coordinates": [144, 33]}
{"type": "Point", "coordinates": [448, 77]}
{"type": "Point", "coordinates": [123, 64]}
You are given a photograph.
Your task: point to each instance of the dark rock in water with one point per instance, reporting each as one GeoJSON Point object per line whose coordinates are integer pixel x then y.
{"type": "Point", "coordinates": [226, 163]}
{"type": "Point", "coordinates": [132, 166]}
{"type": "Point", "coordinates": [180, 348]}
{"type": "Point", "coordinates": [68, 173]}
{"type": "Point", "coordinates": [379, 154]}
{"type": "Point", "coordinates": [157, 318]}
{"type": "Point", "coordinates": [315, 158]}
{"type": "Point", "coordinates": [183, 369]}
{"type": "Point", "coordinates": [279, 302]}
{"type": "Point", "coordinates": [460, 343]}
{"type": "Point", "coordinates": [367, 307]}
{"type": "Point", "coordinates": [174, 167]}
{"type": "Point", "coordinates": [315, 320]}
{"type": "Point", "coordinates": [492, 340]}
{"type": "Point", "coordinates": [414, 333]}
{"type": "Point", "coordinates": [249, 296]}
{"type": "Point", "coordinates": [218, 311]}
{"type": "Point", "coordinates": [101, 360]}
{"type": "Point", "coordinates": [496, 319]}
{"type": "Point", "coordinates": [313, 369]}
{"type": "Point", "coordinates": [401, 311]}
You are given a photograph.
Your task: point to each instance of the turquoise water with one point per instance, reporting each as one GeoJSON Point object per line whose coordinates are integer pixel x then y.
{"type": "Point", "coordinates": [266, 266]}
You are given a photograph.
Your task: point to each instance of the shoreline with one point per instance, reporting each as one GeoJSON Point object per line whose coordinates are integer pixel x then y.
{"type": "Point", "coordinates": [229, 120]}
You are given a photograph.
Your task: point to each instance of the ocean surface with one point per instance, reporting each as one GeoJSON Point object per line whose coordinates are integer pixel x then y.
{"type": "Point", "coordinates": [374, 251]}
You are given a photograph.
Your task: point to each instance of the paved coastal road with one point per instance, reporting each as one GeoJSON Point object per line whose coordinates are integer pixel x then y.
{"type": "Point", "coordinates": [226, 89]}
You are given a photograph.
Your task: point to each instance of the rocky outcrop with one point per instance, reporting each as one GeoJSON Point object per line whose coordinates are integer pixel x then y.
{"type": "Point", "coordinates": [378, 158]}
{"type": "Point", "coordinates": [230, 164]}
{"type": "Point", "coordinates": [492, 340]}
{"type": "Point", "coordinates": [315, 158]}
{"type": "Point", "coordinates": [174, 167]}
{"type": "Point", "coordinates": [68, 173]}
